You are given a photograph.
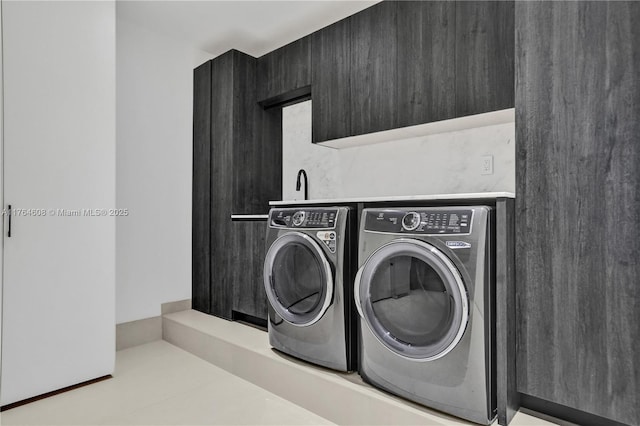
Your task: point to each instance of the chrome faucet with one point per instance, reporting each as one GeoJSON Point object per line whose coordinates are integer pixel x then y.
{"type": "Point", "coordinates": [306, 188]}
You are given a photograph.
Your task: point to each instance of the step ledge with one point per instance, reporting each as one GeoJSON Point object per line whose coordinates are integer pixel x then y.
{"type": "Point", "coordinates": [342, 398]}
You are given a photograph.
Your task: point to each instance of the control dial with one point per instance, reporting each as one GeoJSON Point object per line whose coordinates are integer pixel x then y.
{"type": "Point", "coordinates": [298, 218]}
{"type": "Point", "coordinates": [411, 221]}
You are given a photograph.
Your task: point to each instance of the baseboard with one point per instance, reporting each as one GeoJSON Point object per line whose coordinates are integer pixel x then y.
{"type": "Point", "coordinates": [177, 306]}
{"type": "Point", "coordinates": [139, 332]}
{"type": "Point", "coordinates": [53, 393]}
{"type": "Point", "coordinates": [560, 414]}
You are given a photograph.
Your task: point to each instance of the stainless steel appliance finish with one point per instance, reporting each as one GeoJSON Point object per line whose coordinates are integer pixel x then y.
{"type": "Point", "coordinates": [424, 291]}
{"type": "Point", "coordinates": [308, 283]}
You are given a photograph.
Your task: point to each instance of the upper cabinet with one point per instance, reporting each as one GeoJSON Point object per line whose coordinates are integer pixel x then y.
{"type": "Point", "coordinates": [331, 56]}
{"type": "Point", "coordinates": [373, 69]}
{"type": "Point", "coordinates": [425, 62]}
{"type": "Point", "coordinates": [399, 64]}
{"type": "Point", "coordinates": [484, 56]}
{"type": "Point", "coordinates": [285, 71]}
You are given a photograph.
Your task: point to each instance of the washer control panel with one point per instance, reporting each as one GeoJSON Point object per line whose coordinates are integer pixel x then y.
{"type": "Point", "coordinates": [427, 221]}
{"type": "Point", "coordinates": [304, 218]}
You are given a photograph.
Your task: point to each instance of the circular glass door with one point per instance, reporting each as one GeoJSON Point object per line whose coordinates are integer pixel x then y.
{"type": "Point", "coordinates": [412, 298]}
{"type": "Point", "coordinates": [298, 279]}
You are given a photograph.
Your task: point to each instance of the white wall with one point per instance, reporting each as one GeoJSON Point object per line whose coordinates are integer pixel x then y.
{"type": "Point", "coordinates": [320, 163]}
{"type": "Point", "coordinates": [154, 170]}
{"type": "Point", "coordinates": [435, 164]}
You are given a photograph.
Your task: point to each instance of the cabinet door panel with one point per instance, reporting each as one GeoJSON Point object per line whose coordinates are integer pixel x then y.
{"type": "Point", "coordinates": [373, 69]}
{"type": "Point", "coordinates": [221, 184]}
{"type": "Point", "coordinates": [577, 224]}
{"type": "Point", "coordinates": [58, 291]}
{"type": "Point", "coordinates": [266, 160]}
{"type": "Point", "coordinates": [331, 54]}
{"type": "Point", "coordinates": [285, 69]}
{"type": "Point", "coordinates": [249, 251]}
{"type": "Point", "coordinates": [257, 145]}
{"type": "Point", "coordinates": [426, 61]}
{"type": "Point", "coordinates": [246, 153]}
{"type": "Point", "coordinates": [484, 56]}
{"type": "Point", "coordinates": [201, 211]}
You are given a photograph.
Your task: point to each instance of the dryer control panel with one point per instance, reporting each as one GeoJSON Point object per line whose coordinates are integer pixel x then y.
{"type": "Point", "coordinates": [420, 221]}
{"type": "Point", "coordinates": [316, 218]}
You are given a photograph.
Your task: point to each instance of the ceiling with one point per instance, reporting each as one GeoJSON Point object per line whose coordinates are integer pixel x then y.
{"type": "Point", "coordinates": [253, 27]}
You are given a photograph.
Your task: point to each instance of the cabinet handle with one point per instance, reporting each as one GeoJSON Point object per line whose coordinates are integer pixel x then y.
{"type": "Point", "coordinates": [9, 212]}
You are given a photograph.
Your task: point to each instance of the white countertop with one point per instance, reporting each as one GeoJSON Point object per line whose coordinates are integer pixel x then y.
{"type": "Point", "coordinates": [433, 197]}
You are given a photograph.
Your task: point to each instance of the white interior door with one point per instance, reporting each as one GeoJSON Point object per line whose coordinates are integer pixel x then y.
{"type": "Point", "coordinates": [59, 162]}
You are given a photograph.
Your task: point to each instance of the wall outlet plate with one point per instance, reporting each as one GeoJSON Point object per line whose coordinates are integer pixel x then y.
{"type": "Point", "coordinates": [486, 165]}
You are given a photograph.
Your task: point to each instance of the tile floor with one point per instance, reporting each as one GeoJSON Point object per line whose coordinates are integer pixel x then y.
{"type": "Point", "coordinates": [160, 384]}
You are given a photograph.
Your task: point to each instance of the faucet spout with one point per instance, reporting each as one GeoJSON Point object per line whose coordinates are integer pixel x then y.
{"type": "Point", "coordinates": [302, 172]}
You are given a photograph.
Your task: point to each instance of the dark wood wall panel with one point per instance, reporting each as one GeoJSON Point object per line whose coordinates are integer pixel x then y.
{"type": "Point", "coordinates": [425, 61]}
{"type": "Point", "coordinates": [331, 80]}
{"type": "Point", "coordinates": [245, 182]}
{"type": "Point", "coordinates": [267, 159]}
{"type": "Point", "coordinates": [506, 387]}
{"type": "Point", "coordinates": [578, 205]}
{"type": "Point", "coordinates": [484, 56]}
{"type": "Point", "coordinates": [373, 69]}
{"type": "Point", "coordinates": [285, 69]}
{"type": "Point", "coordinates": [222, 116]}
{"type": "Point", "coordinates": [249, 294]}
{"type": "Point", "coordinates": [201, 200]}
{"type": "Point", "coordinates": [257, 146]}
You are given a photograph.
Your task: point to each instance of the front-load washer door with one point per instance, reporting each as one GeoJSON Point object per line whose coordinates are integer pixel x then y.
{"type": "Point", "coordinates": [298, 279]}
{"type": "Point", "coordinates": [413, 299]}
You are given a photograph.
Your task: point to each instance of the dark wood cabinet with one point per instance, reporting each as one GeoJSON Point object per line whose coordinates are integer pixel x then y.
{"type": "Point", "coordinates": [249, 297]}
{"type": "Point", "coordinates": [331, 58]}
{"type": "Point", "coordinates": [223, 111]}
{"type": "Point", "coordinates": [285, 70]}
{"type": "Point", "coordinates": [201, 201]}
{"type": "Point", "coordinates": [484, 50]}
{"type": "Point", "coordinates": [256, 164]}
{"type": "Point", "coordinates": [237, 170]}
{"type": "Point", "coordinates": [578, 204]}
{"type": "Point", "coordinates": [426, 63]}
{"type": "Point", "coordinates": [398, 64]}
{"type": "Point", "coordinates": [373, 71]}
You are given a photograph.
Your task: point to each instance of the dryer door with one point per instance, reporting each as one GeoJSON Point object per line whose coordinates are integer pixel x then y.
{"type": "Point", "coordinates": [298, 279]}
{"type": "Point", "coordinates": [413, 299]}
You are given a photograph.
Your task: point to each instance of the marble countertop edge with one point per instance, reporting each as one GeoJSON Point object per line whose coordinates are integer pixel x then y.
{"type": "Point", "coordinates": [382, 199]}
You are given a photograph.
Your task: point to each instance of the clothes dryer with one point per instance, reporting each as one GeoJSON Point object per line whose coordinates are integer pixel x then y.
{"type": "Point", "coordinates": [425, 294]}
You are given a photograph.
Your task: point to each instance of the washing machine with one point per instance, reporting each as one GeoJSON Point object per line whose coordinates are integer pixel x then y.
{"type": "Point", "coordinates": [309, 284]}
{"type": "Point", "coordinates": [425, 293]}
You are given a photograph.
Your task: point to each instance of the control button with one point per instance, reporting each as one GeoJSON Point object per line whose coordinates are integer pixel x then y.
{"type": "Point", "coordinates": [332, 235]}
{"type": "Point", "coordinates": [411, 221]}
{"type": "Point", "coordinates": [298, 218]}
